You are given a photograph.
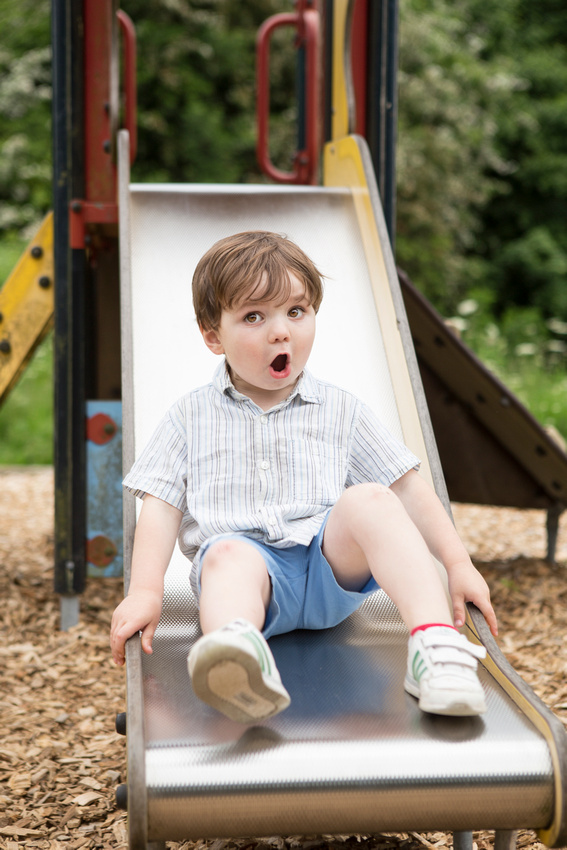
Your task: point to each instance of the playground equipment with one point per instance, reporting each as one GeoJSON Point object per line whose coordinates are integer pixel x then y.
{"type": "Point", "coordinates": [26, 306]}
{"type": "Point", "coordinates": [474, 436]}
{"type": "Point", "coordinates": [349, 755]}
{"type": "Point", "coordinates": [352, 753]}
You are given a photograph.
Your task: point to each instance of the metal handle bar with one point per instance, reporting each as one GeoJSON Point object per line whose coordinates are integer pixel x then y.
{"type": "Point", "coordinates": [305, 161]}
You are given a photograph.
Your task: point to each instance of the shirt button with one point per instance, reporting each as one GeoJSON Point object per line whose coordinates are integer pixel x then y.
{"type": "Point", "coordinates": [272, 520]}
{"type": "Point", "coordinates": [265, 464]}
{"type": "Point", "coordinates": [264, 420]}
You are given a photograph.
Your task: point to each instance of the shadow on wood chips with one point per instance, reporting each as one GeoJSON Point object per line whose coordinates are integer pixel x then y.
{"type": "Point", "coordinates": [60, 757]}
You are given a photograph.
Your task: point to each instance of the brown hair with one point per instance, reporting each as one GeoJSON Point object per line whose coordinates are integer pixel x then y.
{"type": "Point", "coordinates": [242, 265]}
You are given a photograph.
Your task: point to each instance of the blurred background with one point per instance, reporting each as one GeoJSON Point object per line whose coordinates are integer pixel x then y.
{"type": "Point", "coordinates": [481, 164]}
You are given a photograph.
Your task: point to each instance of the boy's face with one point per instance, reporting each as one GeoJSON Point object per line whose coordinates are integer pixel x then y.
{"type": "Point", "coordinates": [266, 344]}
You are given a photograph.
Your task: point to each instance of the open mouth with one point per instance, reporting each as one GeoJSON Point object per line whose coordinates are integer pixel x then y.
{"type": "Point", "coordinates": [279, 363]}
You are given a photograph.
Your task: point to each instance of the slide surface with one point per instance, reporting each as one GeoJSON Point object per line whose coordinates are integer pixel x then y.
{"type": "Point", "coordinates": [353, 753]}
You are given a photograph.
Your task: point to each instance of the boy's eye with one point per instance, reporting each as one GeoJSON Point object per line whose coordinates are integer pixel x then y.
{"type": "Point", "coordinates": [252, 318]}
{"type": "Point", "coordinates": [295, 312]}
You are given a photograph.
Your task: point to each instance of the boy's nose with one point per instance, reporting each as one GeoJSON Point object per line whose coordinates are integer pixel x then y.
{"type": "Point", "coordinates": [279, 330]}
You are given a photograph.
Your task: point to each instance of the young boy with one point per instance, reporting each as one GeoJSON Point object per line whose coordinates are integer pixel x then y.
{"type": "Point", "coordinates": [292, 500]}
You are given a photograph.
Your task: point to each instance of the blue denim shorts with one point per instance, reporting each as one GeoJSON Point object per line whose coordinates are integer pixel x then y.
{"type": "Point", "coordinates": [305, 593]}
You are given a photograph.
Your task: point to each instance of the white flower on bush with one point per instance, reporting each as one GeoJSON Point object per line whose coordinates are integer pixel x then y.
{"type": "Point", "coordinates": [556, 346]}
{"type": "Point", "coordinates": [557, 326]}
{"type": "Point", "coordinates": [467, 307]}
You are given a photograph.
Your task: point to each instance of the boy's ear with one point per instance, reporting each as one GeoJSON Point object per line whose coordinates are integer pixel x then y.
{"type": "Point", "coordinates": [212, 341]}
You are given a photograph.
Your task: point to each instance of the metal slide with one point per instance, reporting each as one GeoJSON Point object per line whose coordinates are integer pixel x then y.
{"type": "Point", "coordinates": [353, 753]}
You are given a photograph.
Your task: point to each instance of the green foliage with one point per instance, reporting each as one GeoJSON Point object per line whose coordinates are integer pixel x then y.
{"type": "Point", "coordinates": [482, 160]}
{"type": "Point", "coordinates": [447, 158]}
{"type": "Point", "coordinates": [25, 113]}
{"type": "Point", "coordinates": [524, 236]}
{"type": "Point", "coordinates": [525, 350]}
{"type": "Point", "coordinates": [196, 89]}
{"type": "Point", "coordinates": [11, 250]}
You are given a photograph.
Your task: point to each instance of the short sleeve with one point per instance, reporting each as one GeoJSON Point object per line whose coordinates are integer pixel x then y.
{"type": "Point", "coordinates": [375, 454]}
{"type": "Point", "coordinates": [161, 469]}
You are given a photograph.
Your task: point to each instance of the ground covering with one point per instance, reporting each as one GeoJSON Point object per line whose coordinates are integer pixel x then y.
{"type": "Point", "coordinates": [60, 758]}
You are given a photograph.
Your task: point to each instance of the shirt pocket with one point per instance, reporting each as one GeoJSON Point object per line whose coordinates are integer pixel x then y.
{"type": "Point", "coordinates": [317, 472]}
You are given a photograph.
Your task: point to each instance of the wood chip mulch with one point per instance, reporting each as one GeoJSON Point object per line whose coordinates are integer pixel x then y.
{"type": "Point", "coordinates": [60, 757]}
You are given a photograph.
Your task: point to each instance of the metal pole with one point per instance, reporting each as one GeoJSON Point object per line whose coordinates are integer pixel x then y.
{"type": "Point", "coordinates": [382, 109]}
{"type": "Point", "coordinates": [69, 406]}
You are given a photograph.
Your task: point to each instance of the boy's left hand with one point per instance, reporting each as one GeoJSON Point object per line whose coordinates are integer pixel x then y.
{"type": "Point", "coordinates": [467, 585]}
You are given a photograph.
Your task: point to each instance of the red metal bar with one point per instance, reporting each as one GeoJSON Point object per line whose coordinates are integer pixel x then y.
{"type": "Point", "coordinates": [100, 178]}
{"type": "Point", "coordinates": [83, 213]}
{"type": "Point", "coordinates": [101, 114]}
{"type": "Point", "coordinates": [131, 105]}
{"type": "Point", "coordinates": [359, 54]}
{"type": "Point", "coordinates": [305, 165]}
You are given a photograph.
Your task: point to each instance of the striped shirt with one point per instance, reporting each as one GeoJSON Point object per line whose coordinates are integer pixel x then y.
{"type": "Point", "coordinates": [273, 475]}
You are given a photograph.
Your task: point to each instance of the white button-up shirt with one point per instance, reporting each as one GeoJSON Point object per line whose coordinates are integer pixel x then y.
{"type": "Point", "coordinates": [229, 466]}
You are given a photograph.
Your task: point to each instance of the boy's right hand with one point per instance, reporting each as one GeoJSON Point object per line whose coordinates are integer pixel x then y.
{"type": "Point", "coordinates": [139, 611]}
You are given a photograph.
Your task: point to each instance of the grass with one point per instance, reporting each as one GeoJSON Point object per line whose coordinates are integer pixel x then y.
{"type": "Point", "coordinates": [10, 252]}
{"type": "Point", "coordinates": [26, 417]}
{"type": "Point", "coordinates": [526, 352]}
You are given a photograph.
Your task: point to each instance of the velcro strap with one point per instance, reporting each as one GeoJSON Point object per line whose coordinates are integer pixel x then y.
{"type": "Point", "coordinates": [452, 640]}
{"type": "Point", "coordinates": [451, 655]}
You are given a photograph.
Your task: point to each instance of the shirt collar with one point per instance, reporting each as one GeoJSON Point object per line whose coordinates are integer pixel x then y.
{"type": "Point", "coordinates": [306, 387]}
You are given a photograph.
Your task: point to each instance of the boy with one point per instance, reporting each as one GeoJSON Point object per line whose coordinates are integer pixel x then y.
{"type": "Point", "coordinates": [292, 500]}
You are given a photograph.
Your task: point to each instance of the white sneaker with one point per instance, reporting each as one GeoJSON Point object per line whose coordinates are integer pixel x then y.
{"type": "Point", "coordinates": [233, 670]}
{"type": "Point", "coordinates": [442, 672]}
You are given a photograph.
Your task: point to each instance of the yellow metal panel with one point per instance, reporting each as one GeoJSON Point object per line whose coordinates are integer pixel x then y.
{"type": "Point", "coordinates": [340, 122]}
{"type": "Point", "coordinates": [26, 306]}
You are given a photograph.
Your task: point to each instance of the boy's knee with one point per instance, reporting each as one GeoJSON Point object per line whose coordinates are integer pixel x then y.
{"type": "Point", "coordinates": [371, 493]}
{"type": "Point", "coordinates": [235, 564]}
{"type": "Point", "coordinates": [223, 552]}
{"type": "Point", "coordinates": [232, 554]}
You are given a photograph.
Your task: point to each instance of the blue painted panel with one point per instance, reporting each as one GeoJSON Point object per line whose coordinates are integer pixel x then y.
{"type": "Point", "coordinates": [104, 491]}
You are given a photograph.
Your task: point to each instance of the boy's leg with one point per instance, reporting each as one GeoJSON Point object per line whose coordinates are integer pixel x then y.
{"type": "Point", "coordinates": [234, 583]}
{"type": "Point", "coordinates": [370, 533]}
{"type": "Point", "coordinates": [231, 666]}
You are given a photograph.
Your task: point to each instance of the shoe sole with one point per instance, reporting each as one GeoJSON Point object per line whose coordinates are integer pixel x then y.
{"type": "Point", "coordinates": [450, 706]}
{"type": "Point", "coordinates": [231, 681]}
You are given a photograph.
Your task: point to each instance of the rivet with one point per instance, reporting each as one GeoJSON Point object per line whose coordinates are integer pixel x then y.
{"type": "Point", "coordinates": [106, 146]}
{"type": "Point", "coordinates": [37, 252]}
{"type": "Point", "coordinates": [44, 281]}
{"type": "Point", "coordinates": [5, 346]}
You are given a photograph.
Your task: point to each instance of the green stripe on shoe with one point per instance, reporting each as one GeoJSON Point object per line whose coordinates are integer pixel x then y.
{"type": "Point", "coordinates": [263, 657]}
{"type": "Point", "coordinates": [418, 666]}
